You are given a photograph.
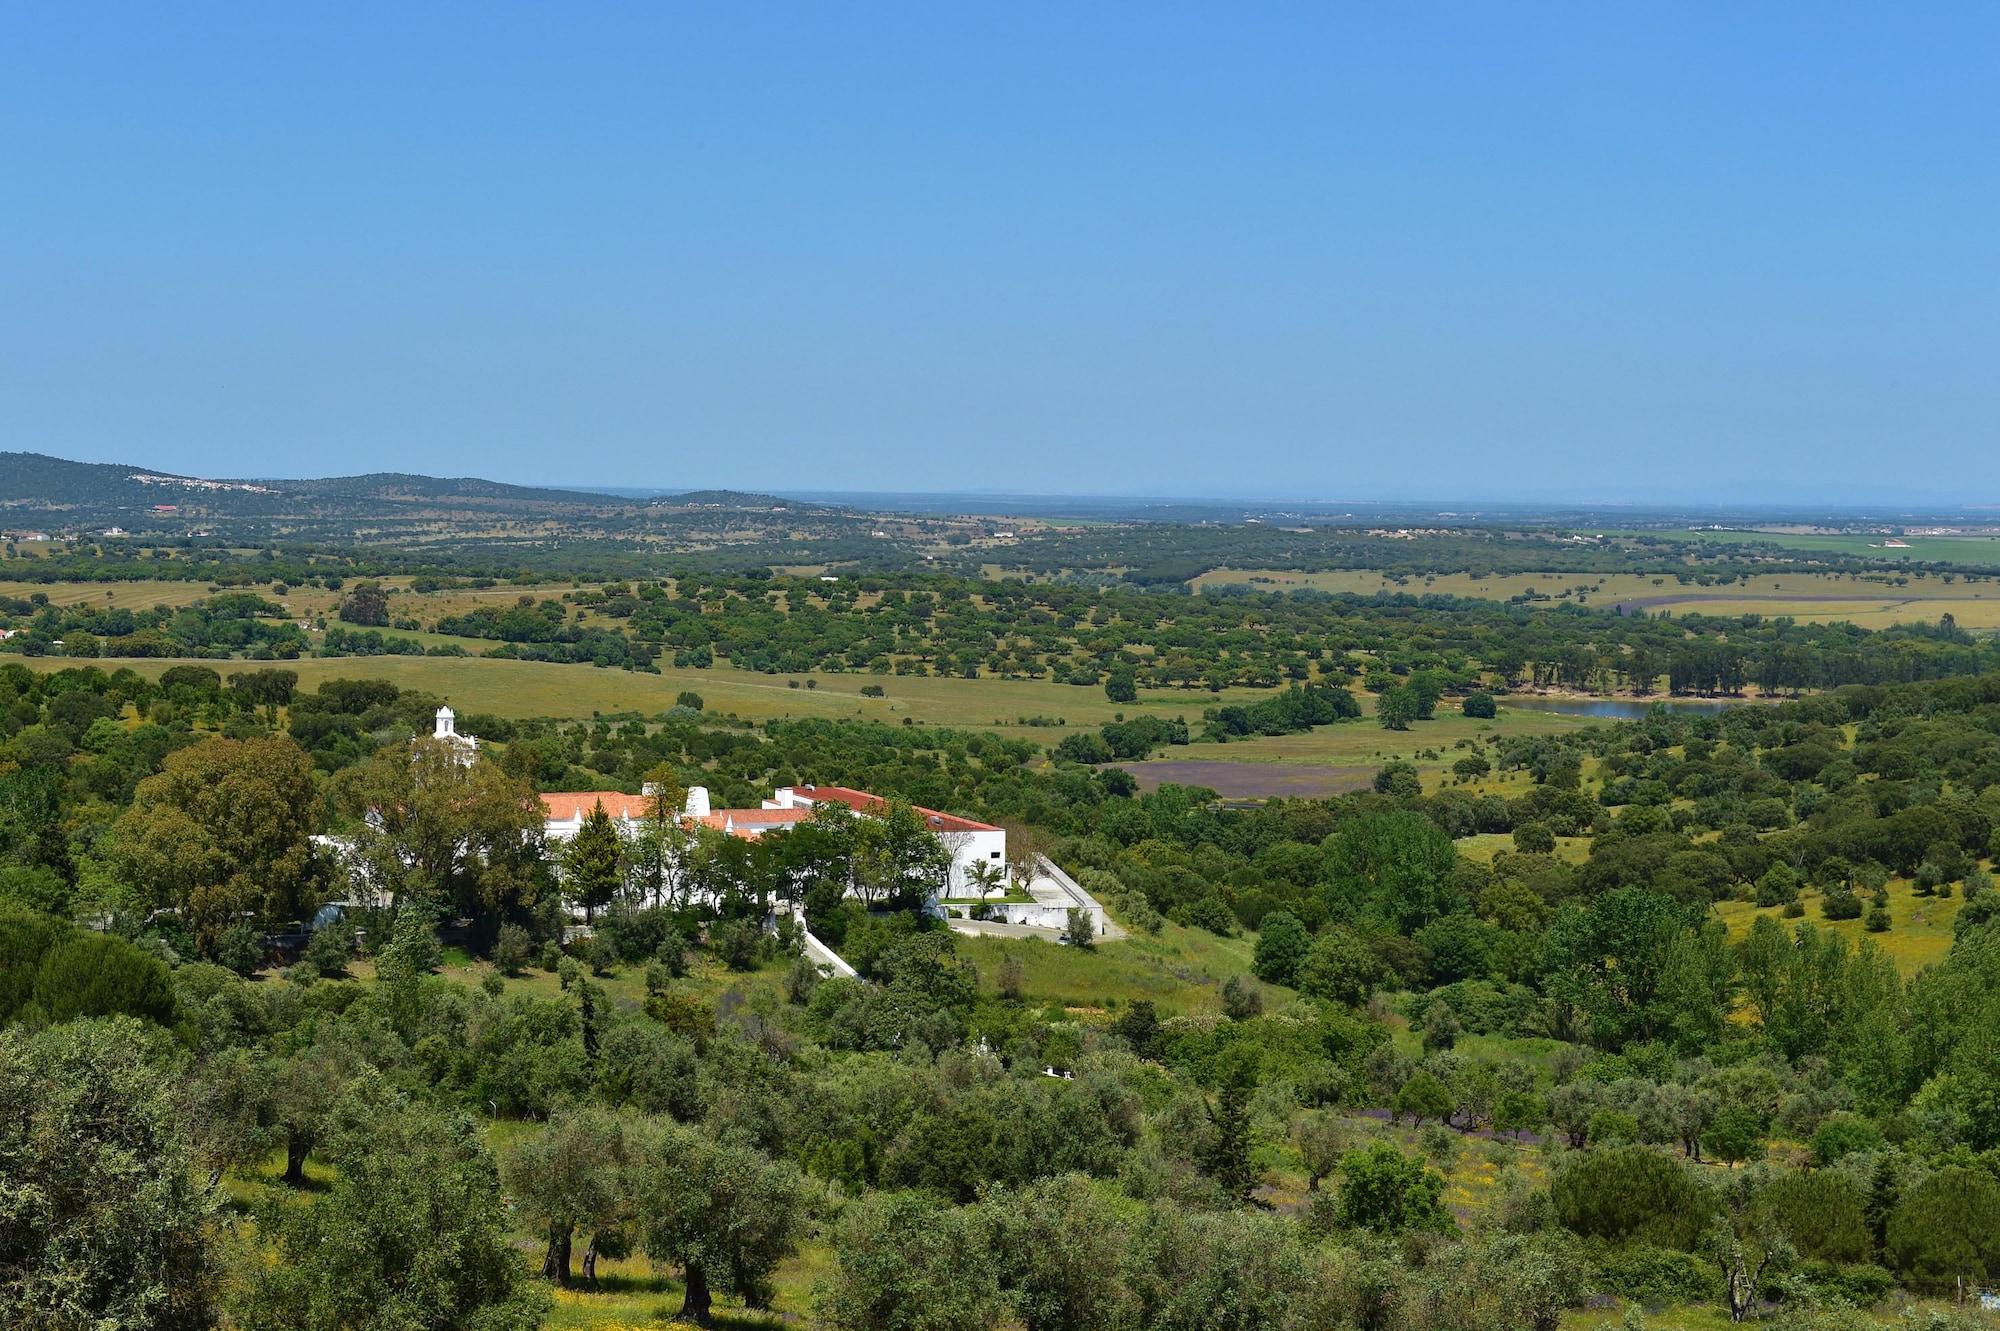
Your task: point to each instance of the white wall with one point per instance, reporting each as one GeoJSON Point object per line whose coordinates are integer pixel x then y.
{"type": "Point", "coordinates": [970, 848]}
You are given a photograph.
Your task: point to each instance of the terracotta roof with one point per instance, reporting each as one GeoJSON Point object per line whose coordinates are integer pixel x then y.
{"type": "Point", "coordinates": [754, 822]}
{"type": "Point", "coordinates": [570, 805]}
{"type": "Point", "coordinates": [862, 802]}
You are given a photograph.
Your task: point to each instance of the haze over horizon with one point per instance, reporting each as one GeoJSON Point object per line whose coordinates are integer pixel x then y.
{"type": "Point", "coordinates": [1668, 254]}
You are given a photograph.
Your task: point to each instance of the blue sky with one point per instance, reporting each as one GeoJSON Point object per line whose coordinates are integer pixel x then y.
{"type": "Point", "coordinates": [1331, 251]}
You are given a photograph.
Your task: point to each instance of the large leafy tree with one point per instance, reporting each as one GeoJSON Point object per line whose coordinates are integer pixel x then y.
{"type": "Point", "coordinates": [409, 1234]}
{"type": "Point", "coordinates": [103, 1222]}
{"type": "Point", "coordinates": [224, 832]}
{"type": "Point", "coordinates": [464, 837]}
{"type": "Point", "coordinates": [904, 1262]}
{"type": "Point", "coordinates": [898, 861]}
{"type": "Point", "coordinates": [1397, 865]}
{"type": "Point", "coordinates": [1609, 961]}
{"type": "Point", "coordinates": [574, 1174]}
{"type": "Point", "coordinates": [725, 1214]}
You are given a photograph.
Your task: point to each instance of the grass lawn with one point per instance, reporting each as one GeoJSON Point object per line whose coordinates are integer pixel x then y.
{"type": "Point", "coordinates": [1919, 931]}
{"type": "Point", "coordinates": [1180, 970]}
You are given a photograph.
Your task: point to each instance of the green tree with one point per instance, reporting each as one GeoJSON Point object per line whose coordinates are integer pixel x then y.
{"type": "Point", "coordinates": [1630, 1192]}
{"type": "Point", "coordinates": [903, 1262]}
{"type": "Point", "coordinates": [1058, 1244]}
{"type": "Point", "coordinates": [1822, 1211]}
{"type": "Point", "coordinates": [1321, 1139]}
{"type": "Point", "coordinates": [1282, 943]}
{"type": "Point", "coordinates": [1121, 686]}
{"type": "Point", "coordinates": [410, 1233]}
{"type": "Point", "coordinates": [365, 604]}
{"type": "Point", "coordinates": [223, 834]}
{"type": "Point", "coordinates": [1227, 1156]}
{"type": "Point", "coordinates": [1338, 968]}
{"type": "Point", "coordinates": [725, 1215]}
{"type": "Point", "coordinates": [1395, 708]}
{"type": "Point", "coordinates": [102, 1220]}
{"type": "Point", "coordinates": [1399, 780]}
{"type": "Point", "coordinates": [1382, 1189]}
{"type": "Point", "coordinates": [1736, 1135]}
{"type": "Point", "coordinates": [464, 837]}
{"type": "Point", "coordinates": [576, 1173]}
{"type": "Point", "coordinates": [593, 863]}
{"type": "Point", "coordinates": [96, 975]}
{"type": "Point", "coordinates": [1398, 864]}
{"type": "Point", "coordinates": [1945, 1233]}
{"type": "Point", "coordinates": [1423, 1096]}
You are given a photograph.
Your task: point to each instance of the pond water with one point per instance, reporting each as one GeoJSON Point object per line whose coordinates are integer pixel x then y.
{"type": "Point", "coordinates": [1615, 709]}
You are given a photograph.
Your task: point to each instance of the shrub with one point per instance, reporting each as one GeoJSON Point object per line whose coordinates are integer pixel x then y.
{"type": "Point", "coordinates": [672, 953]}
{"type": "Point", "coordinates": [1534, 839]}
{"type": "Point", "coordinates": [1399, 780]}
{"type": "Point", "coordinates": [1655, 1276]}
{"type": "Point", "coordinates": [238, 949]}
{"type": "Point", "coordinates": [95, 975]}
{"type": "Point", "coordinates": [1630, 1192]}
{"type": "Point", "coordinates": [1843, 1135]}
{"type": "Point", "coordinates": [1241, 999]}
{"type": "Point", "coordinates": [328, 950]}
{"type": "Point", "coordinates": [1823, 1212]}
{"type": "Point", "coordinates": [736, 943]}
{"type": "Point", "coordinates": [1382, 1189]}
{"type": "Point", "coordinates": [1480, 706]}
{"type": "Point", "coordinates": [512, 949]}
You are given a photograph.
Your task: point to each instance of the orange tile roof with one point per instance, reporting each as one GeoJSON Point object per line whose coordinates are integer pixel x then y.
{"type": "Point", "coordinates": [862, 802]}
{"type": "Point", "coordinates": [567, 806]}
{"type": "Point", "coordinates": [754, 822]}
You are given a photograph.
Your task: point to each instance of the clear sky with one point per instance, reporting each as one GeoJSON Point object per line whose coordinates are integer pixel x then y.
{"type": "Point", "coordinates": [1324, 250]}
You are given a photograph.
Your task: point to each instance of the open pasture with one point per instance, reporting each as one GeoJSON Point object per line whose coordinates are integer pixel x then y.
{"type": "Point", "coordinates": [1863, 599]}
{"type": "Point", "coordinates": [535, 688]}
{"type": "Point", "coordinates": [1919, 933]}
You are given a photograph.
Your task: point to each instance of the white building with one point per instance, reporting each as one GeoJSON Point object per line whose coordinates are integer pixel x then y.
{"type": "Point", "coordinates": [464, 747]}
{"type": "Point", "coordinates": [971, 843]}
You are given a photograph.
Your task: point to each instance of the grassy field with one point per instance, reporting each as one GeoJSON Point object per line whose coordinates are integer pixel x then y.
{"type": "Point", "coordinates": [1946, 549]}
{"type": "Point", "coordinates": [1180, 970]}
{"type": "Point", "coordinates": [1919, 931]}
{"type": "Point", "coordinates": [1348, 753]}
{"type": "Point", "coordinates": [535, 688]}
{"type": "Point", "coordinates": [1817, 597]}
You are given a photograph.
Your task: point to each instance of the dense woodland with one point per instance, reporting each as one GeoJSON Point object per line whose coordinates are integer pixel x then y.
{"type": "Point", "coordinates": [1777, 1124]}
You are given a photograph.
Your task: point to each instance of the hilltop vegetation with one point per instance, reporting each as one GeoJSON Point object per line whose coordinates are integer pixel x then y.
{"type": "Point", "coordinates": [1394, 1068]}
{"type": "Point", "coordinates": [1544, 1024]}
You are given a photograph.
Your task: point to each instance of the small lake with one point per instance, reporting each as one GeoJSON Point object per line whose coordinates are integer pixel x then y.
{"type": "Point", "coordinates": [1615, 709]}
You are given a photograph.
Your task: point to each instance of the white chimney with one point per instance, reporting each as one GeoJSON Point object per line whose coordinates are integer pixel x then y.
{"type": "Point", "coordinates": [446, 728]}
{"type": "Point", "coordinates": [697, 802]}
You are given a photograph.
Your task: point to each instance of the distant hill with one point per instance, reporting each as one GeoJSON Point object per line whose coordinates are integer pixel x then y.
{"type": "Point", "coordinates": [728, 499]}
{"type": "Point", "coordinates": [398, 485]}
{"type": "Point", "coordinates": [101, 495]}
